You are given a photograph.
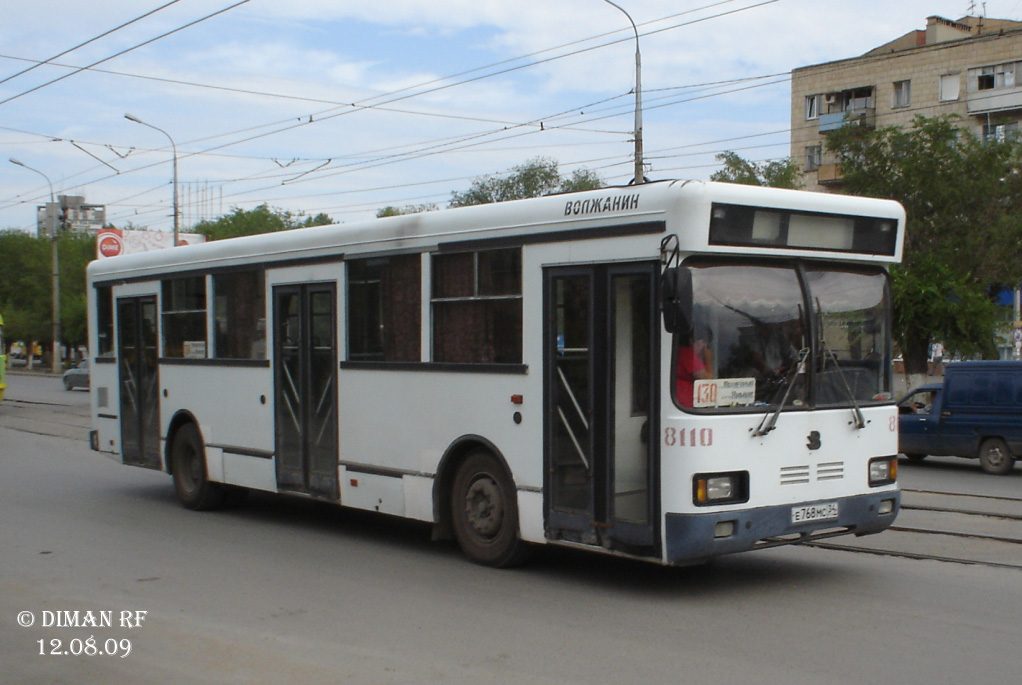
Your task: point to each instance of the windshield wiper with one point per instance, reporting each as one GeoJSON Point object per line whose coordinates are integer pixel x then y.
{"type": "Point", "coordinates": [769, 421]}
{"type": "Point", "coordinates": [860, 420]}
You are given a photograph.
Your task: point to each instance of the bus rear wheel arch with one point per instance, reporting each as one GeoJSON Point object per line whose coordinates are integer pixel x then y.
{"type": "Point", "coordinates": [484, 511]}
{"type": "Point", "coordinates": [188, 468]}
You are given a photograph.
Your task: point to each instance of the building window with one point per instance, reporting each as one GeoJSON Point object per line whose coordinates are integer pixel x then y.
{"type": "Point", "coordinates": [385, 309]}
{"type": "Point", "coordinates": [812, 107]}
{"type": "Point", "coordinates": [814, 157]}
{"type": "Point", "coordinates": [477, 307]}
{"type": "Point", "coordinates": [950, 87]}
{"type": "Point", "coordinates": [1001, 133]}
{"type": "Point", "coordinates": [902, 94]}
{"type": "Point", "coordinates": [995, 77]}
{"type": "Point", "coordinates": [239, 310]}
{"type": "Point", "coordinates": [857, 99]}
{"type": "Point", "coordinates": [184, 317]}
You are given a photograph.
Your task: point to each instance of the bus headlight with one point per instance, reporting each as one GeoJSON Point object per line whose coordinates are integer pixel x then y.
{"type": "Point", "coordinates": [720, 488]}
{"type": "Point", "coordinates": [883, 471]}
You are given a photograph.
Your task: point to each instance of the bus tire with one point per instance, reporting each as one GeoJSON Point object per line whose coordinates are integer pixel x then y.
{"type": "Point", "coordinates": [995, 457]}
{"type": "Point", "coordinates": [484, 512]}
{"type": "Point", "coordinates": [188, 461]}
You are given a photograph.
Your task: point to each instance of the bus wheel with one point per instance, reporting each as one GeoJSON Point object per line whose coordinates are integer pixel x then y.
{"type": "Point", "coordinates": [188, 460]}
{"type": "Point", "coordinates": [995, 458]}
{"type": "Point", "coordinates": [484, 511]}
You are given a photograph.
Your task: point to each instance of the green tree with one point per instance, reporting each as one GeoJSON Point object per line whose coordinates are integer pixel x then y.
{"type": "Point", "coordinates": [76, 251]}
{"type": "Point", "coordinates": [963, 198]}
{"type": "Point", "coordinates": [26, 297]}
{"type": "Point", "coordinates": [775, 174]}
{"type": "Point", "coordinates": [262, 219]}
{"type": "Point", "coordinates": [391, 210]}
{"type": "Point", "coordinates": [581, 179]}
{"type": "Point", "coordinates": [535, 178]}
{"type": "Point", "coordinates": [25, 294]}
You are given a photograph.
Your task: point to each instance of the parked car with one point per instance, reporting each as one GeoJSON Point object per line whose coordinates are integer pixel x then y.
{"type": "Point", "coordinates": [78, 377]}
{"type": "Point", "coordinates": [975, 413]}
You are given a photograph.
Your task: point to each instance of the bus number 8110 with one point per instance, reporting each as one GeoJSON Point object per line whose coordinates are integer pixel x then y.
{"type": "Point", "coordinates": [693, 437]}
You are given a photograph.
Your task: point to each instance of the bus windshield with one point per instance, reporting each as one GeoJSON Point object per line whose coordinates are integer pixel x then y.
{"type": "Point", "coordinates": [755, 335]}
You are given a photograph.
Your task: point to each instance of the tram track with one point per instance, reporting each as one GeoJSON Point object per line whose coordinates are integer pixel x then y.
{"type": "Point", "coordinates": [913, 555]}
{"type": "Point", "coordinates": [946, 527]}
{"type": "Point", "coordinates": [1001, 498]}
{"type": "Point", "coordinates": [45, 418]}
{"type": "Point", "coordinates": [960, 528]}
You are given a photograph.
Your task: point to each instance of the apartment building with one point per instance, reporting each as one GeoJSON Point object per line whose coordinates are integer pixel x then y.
{"type": "Point", "coordinates": [971, 67]}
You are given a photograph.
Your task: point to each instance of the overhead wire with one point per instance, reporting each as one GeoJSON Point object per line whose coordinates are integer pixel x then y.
{"type": "Point", "coordinates": [316, 117]}
{"type": "Point", "coordinates": [123, 52]}
{"type": "Point", "coordinates": [91, 40]}
{"type": "Point", "coordinates": [424, 152]}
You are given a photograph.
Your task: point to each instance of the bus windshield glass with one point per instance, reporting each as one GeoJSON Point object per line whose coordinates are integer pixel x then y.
{"type": "Point", "coordinates": [757, 335]}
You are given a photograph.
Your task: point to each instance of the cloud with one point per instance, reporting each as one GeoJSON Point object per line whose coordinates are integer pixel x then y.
{"type": "Point", "coordinates": [470, 61]}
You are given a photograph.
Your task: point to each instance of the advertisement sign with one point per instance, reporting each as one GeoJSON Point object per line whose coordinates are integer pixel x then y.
{"type": "Point", "coordinates": [113, 242]}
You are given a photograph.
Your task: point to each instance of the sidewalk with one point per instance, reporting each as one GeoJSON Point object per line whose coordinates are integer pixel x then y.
{"type": "Point", "coordinates": [23, 371]}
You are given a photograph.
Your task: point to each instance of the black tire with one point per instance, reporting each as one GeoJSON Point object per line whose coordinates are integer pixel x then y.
{"type": "Point", "coordinates": [188, 463]}
{"type": "Point", "coordinates": [995, 457]}
{"type": "Point", "coordinates": [484, 512]}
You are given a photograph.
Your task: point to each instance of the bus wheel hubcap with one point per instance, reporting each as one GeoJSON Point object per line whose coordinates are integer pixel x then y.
{"type": "Point", "coordinates": [484, 507]}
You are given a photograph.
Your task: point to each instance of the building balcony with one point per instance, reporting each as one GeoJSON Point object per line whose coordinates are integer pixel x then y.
{"type": "Point", "coordinates": [835, 120]}
{"type": "Point", "coordinates": [993, 100]}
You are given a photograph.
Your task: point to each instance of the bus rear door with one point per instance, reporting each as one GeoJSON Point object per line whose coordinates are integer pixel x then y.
{"type": "Point", "coordinates": [139, 381]}
{"type": "Point", "coordinates": [305, 395]}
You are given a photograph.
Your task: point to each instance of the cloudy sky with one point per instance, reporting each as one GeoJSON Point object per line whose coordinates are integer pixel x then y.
{"type": "Point", "coordinates": [345, 107]}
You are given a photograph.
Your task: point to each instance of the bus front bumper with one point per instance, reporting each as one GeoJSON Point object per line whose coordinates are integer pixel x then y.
{"type": "Point", "coordinates": [694, 538]}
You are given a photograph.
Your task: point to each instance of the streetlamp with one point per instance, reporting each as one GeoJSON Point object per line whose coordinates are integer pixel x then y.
{"type": "Point", "coordinates": [173, 146]}
{"type": "Point", "coordinates": [55, 278]}
{"type": "Point", "coordinates": [639, 176]}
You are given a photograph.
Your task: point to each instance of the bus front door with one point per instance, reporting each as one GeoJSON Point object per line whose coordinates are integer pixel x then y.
{"type": "Point", "coordinates": [601, 395]}
{"type": "Point", "coordinates": [305, 389]}
{"type": "Point", "coordinates": [138, 379]}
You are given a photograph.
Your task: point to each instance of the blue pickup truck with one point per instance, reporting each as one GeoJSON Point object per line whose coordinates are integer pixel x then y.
{"type": "Point", "coordinates": [975, 413]}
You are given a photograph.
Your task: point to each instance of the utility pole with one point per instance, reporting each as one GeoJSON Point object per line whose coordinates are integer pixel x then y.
{"type": "Point", "coordinates": [639, 176]}
{"type": "Point", "coordinates": [173, 146]}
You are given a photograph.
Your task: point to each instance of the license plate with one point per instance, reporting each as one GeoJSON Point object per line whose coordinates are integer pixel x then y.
{"type": "Point", "coordinates": [814, 512]}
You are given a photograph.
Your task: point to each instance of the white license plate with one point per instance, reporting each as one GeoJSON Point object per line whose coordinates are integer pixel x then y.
{"type": "Point", "coordinates": [814, 512]}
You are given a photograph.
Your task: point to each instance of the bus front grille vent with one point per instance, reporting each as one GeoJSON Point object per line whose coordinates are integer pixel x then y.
{"type": "Point", "coordinates": [803, 474]}
{"type": "Point", "coordinates": [834, 470]}
{"type": "Point", "coordinates": [795, 475]}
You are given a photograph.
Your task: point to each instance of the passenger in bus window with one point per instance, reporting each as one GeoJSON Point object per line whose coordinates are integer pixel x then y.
{"type": "Point", "coordinates": [769, 349]}
{"type": "Point", "coordinates": [694, 362]}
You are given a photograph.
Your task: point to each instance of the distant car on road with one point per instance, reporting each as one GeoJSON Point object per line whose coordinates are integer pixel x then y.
{"type": "Point", "coordinates": [78, 377]}
{"type": "Point", "coordinates": [975, 413]}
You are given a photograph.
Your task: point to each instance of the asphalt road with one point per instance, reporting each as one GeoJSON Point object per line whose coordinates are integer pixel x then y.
{"type": "Point", "coordinates": [290, 590]}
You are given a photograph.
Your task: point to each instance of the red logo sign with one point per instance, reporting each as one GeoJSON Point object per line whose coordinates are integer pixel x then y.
{"type": "Point", "coordinates": [110, 245]}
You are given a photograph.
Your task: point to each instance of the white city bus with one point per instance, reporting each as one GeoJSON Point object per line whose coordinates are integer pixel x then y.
{"type": "Point", "coordinates": [670, 371]}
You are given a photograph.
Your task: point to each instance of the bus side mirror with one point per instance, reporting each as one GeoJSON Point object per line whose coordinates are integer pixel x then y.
{"type": "Point", "coordinates": [676, 298]}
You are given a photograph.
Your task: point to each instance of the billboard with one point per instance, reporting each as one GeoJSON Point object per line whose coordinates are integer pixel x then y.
{"type": "Point", "coordinates": [112, 242]}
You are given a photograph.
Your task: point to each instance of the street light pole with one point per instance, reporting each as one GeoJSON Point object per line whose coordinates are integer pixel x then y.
{"type": "Point", "coordinates": [639, 175]}
{"type": "Point", "coordinates": [55, 276]}
{"type": "Point", "coordinates": [173, 146]}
